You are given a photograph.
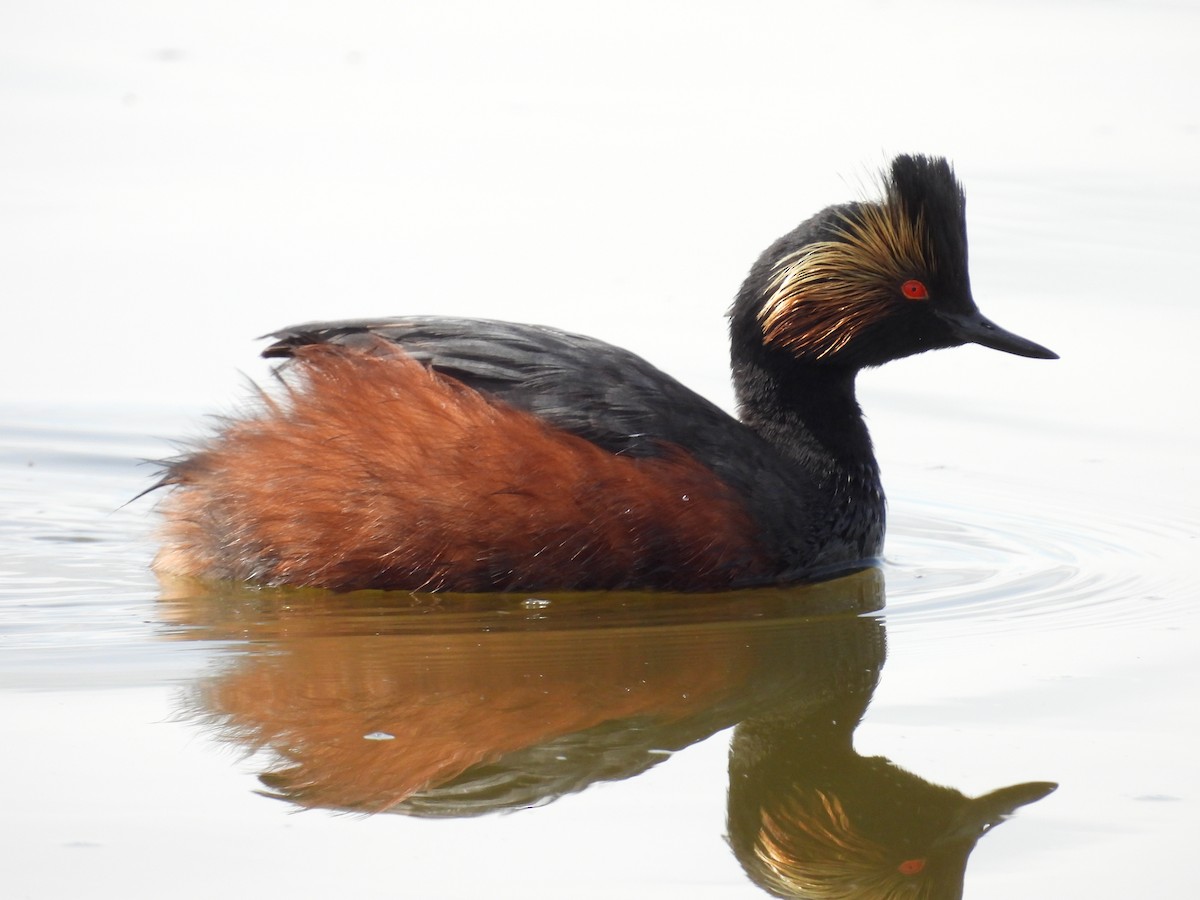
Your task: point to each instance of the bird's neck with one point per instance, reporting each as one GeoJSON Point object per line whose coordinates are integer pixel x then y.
{"type": "Point", "coordinates": [833, 507]}
{"type": "Point", "coordinates": [809, 413]}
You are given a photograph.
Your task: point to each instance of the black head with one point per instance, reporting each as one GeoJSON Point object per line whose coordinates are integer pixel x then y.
{"type": "Point", "coordinates": [864, 283]}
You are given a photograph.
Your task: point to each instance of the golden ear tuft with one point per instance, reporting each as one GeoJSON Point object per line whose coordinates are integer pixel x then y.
{"type": "Point", "coordinates": [825, 293]}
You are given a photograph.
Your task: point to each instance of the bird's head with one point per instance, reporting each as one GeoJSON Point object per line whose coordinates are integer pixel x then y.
{"type": "Point", "coordinates": [868, 282]}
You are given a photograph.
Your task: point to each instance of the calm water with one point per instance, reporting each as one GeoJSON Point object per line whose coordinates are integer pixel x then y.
{"type": "Point", "coordinates": [180, 179]}
{"type": "Point", "coordinates": [1014, 636]}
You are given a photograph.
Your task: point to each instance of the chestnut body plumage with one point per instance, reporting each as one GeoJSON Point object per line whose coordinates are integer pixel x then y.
{"type": "Point", "coordinates": [453, 454]}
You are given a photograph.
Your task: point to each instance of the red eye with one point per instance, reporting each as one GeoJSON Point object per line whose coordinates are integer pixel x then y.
{"type": "Point", "coordinates": [911, 866]}
{"type": "Point", "coordinates": [914, 290]}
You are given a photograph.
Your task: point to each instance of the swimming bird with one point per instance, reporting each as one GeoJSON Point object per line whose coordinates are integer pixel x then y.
{"type": "Point", "coordinates": [430, 453]}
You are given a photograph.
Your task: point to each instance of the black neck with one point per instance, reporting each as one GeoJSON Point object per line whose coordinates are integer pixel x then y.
{"type": "Point", "coordinates": [809, 415]}
{"type": "Point", "coordinates": [808, 411]}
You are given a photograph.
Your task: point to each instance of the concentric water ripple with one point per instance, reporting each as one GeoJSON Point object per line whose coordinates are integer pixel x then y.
{"type": "Point", "coordinates": [1065, 566]}
{"type": "Point", "coordinates": [993, 558]}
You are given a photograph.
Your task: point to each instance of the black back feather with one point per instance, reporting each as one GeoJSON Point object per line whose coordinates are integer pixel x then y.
{"type": "Point", "coordinates": [604, 394]}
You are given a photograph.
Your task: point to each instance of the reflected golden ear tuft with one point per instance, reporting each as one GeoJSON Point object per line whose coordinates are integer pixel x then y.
{"type": "Point", "coordinates": [808, 847]}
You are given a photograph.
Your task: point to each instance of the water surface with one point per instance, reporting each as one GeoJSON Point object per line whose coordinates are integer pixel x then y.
{"type": "Point", "coordinates": [1005, 642]}
{"type": "Point", "coordinates": [181, 179]}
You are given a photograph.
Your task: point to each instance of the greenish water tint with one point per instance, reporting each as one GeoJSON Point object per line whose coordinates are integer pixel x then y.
{"type": "Point", "coordinates": [181, 177]}
{"type": "Point", "coordinates": [803, 740]}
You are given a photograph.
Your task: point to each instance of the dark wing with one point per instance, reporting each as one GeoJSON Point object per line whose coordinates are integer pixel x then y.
{"type": "Point", "coordinates": [607, 395]}
{"type": "Point", "coordinates": [599, 392]}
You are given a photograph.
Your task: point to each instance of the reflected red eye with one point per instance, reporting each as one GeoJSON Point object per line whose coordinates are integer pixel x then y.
{"type": "Point", "coordinates": [914, 290]}
{"type": "Point", "coordinates": [911, 866]}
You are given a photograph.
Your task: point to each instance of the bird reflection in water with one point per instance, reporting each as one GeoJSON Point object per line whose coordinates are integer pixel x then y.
{"type": "Point", "coordinates": [444, 706]}
{"type": "Point", "coordinates": [808, 817]}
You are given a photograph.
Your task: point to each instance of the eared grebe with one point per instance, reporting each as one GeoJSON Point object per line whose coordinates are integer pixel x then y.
{"type": "Point", "coordinates": [473, 455]}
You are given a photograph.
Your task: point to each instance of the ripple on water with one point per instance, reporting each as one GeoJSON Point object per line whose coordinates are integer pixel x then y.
{"type": "Point", "coordinates": [1065, 566]}
{"type": "Point", "coordinates": [991, 558]}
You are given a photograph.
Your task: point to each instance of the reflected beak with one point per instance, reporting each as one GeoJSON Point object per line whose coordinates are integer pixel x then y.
{"type": "Point", "coordinates": [990, 810]}
{"type": "Point", "coordinates": [1004, 802]}
{"type": "Point", "coordinates": [973, 328]}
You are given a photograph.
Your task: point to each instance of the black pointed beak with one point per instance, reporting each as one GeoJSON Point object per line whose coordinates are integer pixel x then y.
{"type": "Point", "coordinates": [974, 328]}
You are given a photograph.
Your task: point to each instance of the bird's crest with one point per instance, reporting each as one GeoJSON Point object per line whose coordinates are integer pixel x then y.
{"type": "Point", "coordinates": [823, 294]}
